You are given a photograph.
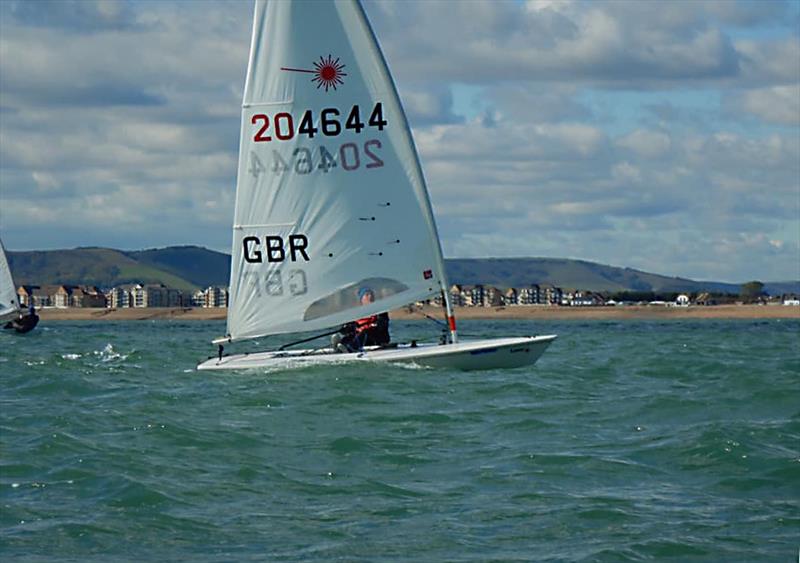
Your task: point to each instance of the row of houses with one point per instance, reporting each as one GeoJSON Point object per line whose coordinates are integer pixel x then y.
{"type": "Point", "coordinates": [158, 295]}
{"type": "Point", "coordinates": [61, 296]}
{"type": "Point", "coordinates": [535, 294]}
{"type": "Point", "coordinates": [491, 296]}
{"type": "Point", "coordinates": [120, 297]}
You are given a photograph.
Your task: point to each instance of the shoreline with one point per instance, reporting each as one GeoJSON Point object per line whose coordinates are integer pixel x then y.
{"type": "Point", "coordinates": [643, 312]}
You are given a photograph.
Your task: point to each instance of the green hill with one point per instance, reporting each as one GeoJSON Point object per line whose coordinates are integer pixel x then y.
{"type": "Point", "coordinates": [571, 274]}
{"type": "Point", "coordinates": [191, 267]}
{"type": "Point", "coordinates": [103, 267]}
{"type": "Point", "coordinates": [199, 266]}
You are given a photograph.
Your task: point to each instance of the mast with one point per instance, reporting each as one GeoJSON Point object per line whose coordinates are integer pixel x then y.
{"type": "Point", "coordinates": [451, 318]}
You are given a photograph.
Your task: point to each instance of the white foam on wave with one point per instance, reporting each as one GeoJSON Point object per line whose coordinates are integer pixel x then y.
{"type": "Point", "coordinates": [71, 356]}
{"type": "Point", "coordinates": [108, 354]}
{"type": "Point", "coordinates": [410, 365]}
{"type": "Point", "coordinates": [279, 365]}
{"type": "Point", "coordinates": [291, 364]}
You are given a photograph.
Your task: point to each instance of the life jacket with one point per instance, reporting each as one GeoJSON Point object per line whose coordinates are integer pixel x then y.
{"type": "Point", "coordinates": [366, 323]}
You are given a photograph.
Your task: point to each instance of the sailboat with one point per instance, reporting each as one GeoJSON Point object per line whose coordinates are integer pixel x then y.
{"type": "Point", "coordinates": [12, 315]}
{"type": "Point", "coordinates": [331, 199]}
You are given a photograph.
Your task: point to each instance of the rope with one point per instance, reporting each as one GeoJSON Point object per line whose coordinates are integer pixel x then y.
{"type": "Point", "coordinates": [427, 316]}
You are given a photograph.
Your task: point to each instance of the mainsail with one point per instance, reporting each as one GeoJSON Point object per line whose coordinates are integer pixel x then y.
{"type": "Point", "coordinates": [330, 193]}
{"type": "Point", "coordinates": [9, 302]}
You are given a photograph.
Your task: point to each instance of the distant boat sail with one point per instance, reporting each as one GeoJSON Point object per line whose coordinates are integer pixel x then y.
{"type": "Point", "coordinates": [9, 302]}
{"type": "Point", "coordinates": [330, 194]}
{"type": "Point", "coordinates": [12, 315]}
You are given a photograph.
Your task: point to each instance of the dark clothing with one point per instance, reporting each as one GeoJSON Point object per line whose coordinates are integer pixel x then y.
{"type": "Point", "coordinates": [24, 324]}
{"type": "Point", "coordinates": [374, 330]}
{"type": "Point", "coordinates": [369, 331]}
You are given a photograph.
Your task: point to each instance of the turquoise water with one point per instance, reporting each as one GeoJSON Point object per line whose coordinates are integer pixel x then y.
{"type": "Point", "coordinates": [628, 441]}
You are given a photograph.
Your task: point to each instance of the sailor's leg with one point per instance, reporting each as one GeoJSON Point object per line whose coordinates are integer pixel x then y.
{"type": "Point", "coordinates": [338, 343]}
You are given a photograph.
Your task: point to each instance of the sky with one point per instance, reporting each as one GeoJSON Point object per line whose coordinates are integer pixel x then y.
{"type": "Point", "coordinates": [661, 136]}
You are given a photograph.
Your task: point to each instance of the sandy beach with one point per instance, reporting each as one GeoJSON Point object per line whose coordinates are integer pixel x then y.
{"type": "Point", "coordinates": [518, 312]}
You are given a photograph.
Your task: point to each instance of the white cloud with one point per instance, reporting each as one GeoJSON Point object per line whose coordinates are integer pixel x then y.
{"type": "Point", "coordinates": [779, 104]}
{"type": "Point", "coordinates": [624, 43]}
{"type": "Point", "coordinates": [770, 62]}
{"type": "Point", "coordinates": [626, 173]}
{"type": "Point", "coordinates": [647, 144]}
{"type": "Point", "coordinates": [47, 182]}
{"type": "Point", "coordinates": [119, 125]}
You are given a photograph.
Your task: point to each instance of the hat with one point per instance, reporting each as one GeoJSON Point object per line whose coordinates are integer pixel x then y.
{"type": "Point", "coordinates": [363, 291]}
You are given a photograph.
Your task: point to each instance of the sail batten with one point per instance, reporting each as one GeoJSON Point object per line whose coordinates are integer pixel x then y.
{"type": "Point", "coordinates": [266, 225]}
{"type": "Point", "coordinates": [331, 198]}
{"type": "Point", "coordinates": [266, 104]}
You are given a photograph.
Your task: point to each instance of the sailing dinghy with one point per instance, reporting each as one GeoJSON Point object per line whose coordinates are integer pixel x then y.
{"type": "Point", "coordinates": [331, 198]}
{"type": "Point", "coordinates": [12, 315]}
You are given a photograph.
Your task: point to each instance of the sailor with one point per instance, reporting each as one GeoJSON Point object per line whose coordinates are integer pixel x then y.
{"type": "Point", "coordinates": [369, 331]}
{"type": "Point", "coordinates": [25, 323]}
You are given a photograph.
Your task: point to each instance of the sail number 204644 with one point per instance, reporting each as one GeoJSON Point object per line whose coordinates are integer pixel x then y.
{"type": "Point", "coordinates": [303, 160]}
{"type": "Point", "coordinates": [281, 126]}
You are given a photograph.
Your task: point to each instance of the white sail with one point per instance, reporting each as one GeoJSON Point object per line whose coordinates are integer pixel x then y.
{"type": "Point", "coordinates": [9, 301]}
{"type": "Point", "coordinates": [330, 193]}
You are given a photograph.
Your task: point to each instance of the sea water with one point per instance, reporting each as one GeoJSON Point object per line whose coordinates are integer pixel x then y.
{"type": "Point", "coordinates": [627, 441]}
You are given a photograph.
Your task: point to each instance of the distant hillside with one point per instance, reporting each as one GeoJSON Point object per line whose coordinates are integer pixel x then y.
{"type": "Point", "coordinates": [580, 274]}
{"type": "Point", "coordinates": [192, 267]}
{"type": "Point", "coordinates": [571, 274]}
{"type": "Point", "coordinates": [782, 288]}
{"type": "Point", "coordinates": [103, 267]}
{"type": "Point", "coordinates": [199, 266]}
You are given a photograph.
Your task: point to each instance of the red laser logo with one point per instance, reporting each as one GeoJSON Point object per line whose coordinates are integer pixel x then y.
{"type": "Point", "coordinates": [327, 72]}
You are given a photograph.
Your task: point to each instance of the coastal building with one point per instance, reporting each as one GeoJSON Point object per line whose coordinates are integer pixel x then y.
{"type": "Point", "coordinates": [61, 296]}
{"type": "Point", "coordinates": [474, 295]}
{"type": "Point", "coordinates": [89, 296]}
{"type": "Point", "coordinates": [155, 295]}
{"type": "Point", "coordinates": [480, 295]}
{"type": "Point", "coordinates": [705, 299]}
{"type": "Point", "coordinates": [456, 296]}
{"type": "Point", "coordinates": [121, 296]}
{"type": "Point", "coordinates": [492, 297]}
{"type": "Point", "coordinates": [510, 297]}
{"type": "Point", "coordinates": [215, 297]}
{"type": "Point", "coordinates": [25, 294]}
{"type": "Point", "coordinates": [44, 296]}
{"type": "Point", "coordinates": [78, 296]}
{"type": "Point", "coordinates": [530, 295]}
{"type": "Point", "coordinates": [143, 295]}
{"type": "Point", "coordinates": [198, 298]}
{"type": "Point", "coordinates": [580, 298]}
{"type": "Point", "coordinates": [551, 295]}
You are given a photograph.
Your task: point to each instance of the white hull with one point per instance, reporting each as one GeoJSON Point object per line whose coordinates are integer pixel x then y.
{"type": "Point", "coordinates": [495, 353]}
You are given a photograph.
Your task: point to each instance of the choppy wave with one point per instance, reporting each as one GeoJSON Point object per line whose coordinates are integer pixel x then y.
{"type": "Point", "coordinates": [108, 354]}
{"type": "Point", "coordinates": [627, 441]}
